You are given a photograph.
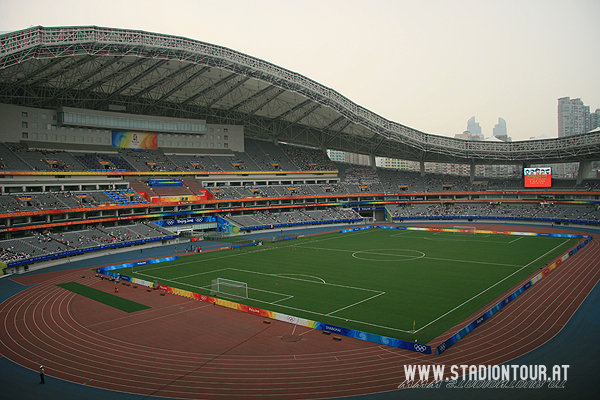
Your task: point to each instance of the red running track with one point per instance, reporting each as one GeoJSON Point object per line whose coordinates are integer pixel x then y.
{"type": "Point", "coordinates": [189, 349]}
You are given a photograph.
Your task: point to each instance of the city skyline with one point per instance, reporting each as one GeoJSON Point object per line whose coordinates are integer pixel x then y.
{"type": "Point", "coordinates": [429, 65]}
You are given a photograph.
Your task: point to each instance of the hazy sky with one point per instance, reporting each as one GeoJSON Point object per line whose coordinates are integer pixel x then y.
{"type": "Point", "coordinates": [428, 64]}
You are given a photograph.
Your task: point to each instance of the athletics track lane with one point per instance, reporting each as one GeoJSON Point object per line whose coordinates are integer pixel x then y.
{"type": "Point", "coordinates": [40, 327]}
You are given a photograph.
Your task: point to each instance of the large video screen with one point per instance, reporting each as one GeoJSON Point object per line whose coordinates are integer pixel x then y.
{"type": "Point", "coordinates": [538, 177]}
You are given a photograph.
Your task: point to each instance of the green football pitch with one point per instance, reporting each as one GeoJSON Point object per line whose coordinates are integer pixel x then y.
{"type": "Point", "coordinates": [380, 281]}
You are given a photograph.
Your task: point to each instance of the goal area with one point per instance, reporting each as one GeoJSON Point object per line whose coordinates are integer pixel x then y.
{"type": "Point", "coordinates": [229, 288]}
{"type": "Point", "coordinates": [463, 228]}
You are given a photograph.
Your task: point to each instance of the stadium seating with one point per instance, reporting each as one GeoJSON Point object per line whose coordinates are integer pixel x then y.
{"type": "Point", "coordinates": [352, 184]}
{"type": "Point", "coordinates": [48, 244]}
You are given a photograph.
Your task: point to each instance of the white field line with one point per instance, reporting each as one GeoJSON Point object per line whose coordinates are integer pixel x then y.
{"type": "Point", "coordinates": [309, 281]}
{"type": "Point", "coordinates": [202, 273]}
{"type": "Point", "coordinates": [472, 262]}
{"type": "Point", "coordinates": [379, 293]}
{"type": "Point", "coordinates": [352, 305]}
{"type": "Point", "coordinates": [237, 254]}
{"type": "Point", "coordinates": [519, 238]}
{"type": "Point", "coordinates": [426, 258]}
{"type": "Point", "coordinates": [298, 244]}
{"type": "Point", "coordinates": [310, 276]}
{"type": "Point", "coordinates": [462, 240]}
{"type": "Point", "coordinates": [401, 233]}
{"type": "Point", "coordinates": [477, 295]}
{"type": "Point", "coordinates": [285, 298]}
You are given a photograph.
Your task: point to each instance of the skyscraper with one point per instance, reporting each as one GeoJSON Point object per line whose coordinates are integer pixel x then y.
{"type": "Point", "coordinates": [474, 129]}
{"type": "Point", "coordinates": [573, 117]}
{"type": "Point", "coordinates": [595, 119]}
{"type": "Point", "coordinates": [500, 131]}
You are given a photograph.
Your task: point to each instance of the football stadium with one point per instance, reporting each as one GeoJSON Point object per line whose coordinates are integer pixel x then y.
{"type": "Point", "coordinates": [171, 226]}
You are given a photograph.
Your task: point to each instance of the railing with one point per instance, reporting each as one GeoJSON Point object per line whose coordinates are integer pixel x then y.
{"type": "Point", "coordinates": [14, 48]}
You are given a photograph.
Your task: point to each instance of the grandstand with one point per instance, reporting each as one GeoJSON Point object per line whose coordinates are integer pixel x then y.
{"type": "Point", "coordinates": [298, 196]}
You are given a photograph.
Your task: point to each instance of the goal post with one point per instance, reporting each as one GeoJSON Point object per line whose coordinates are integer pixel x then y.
{"type": "Point", "coordinates": [462, 228]}
{"type": "Point", "coordinates": [228, 287]}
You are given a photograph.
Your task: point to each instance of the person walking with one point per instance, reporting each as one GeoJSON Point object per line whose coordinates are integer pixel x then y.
{"type": "Point", "coordinates": [42, 380]}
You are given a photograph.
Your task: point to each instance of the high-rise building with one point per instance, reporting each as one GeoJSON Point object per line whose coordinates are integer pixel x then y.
{"type": "Point", "coordinates": [397, 164]}
{"type": "Point", "coordinates": [500, 131]}
{"type": "Point", "coordinates": [474, 129]}
{"type": "Point", "coordinates": [595, 119]}
{"type": "Point", "coordinates": [336, 155]}
{"type": "Point", "coordinates": [573, 117]}
{"type": "Point", "coordinates": [350, 158]}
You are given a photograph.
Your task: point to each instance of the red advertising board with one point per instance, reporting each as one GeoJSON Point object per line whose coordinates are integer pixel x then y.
{"type": "Point", "coordinates": [538, 177]}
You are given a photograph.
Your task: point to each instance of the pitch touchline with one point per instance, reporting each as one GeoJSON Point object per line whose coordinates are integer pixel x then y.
{"type": "Point", "coordinates": [426, 257]}
{"type": "Point", "coordinates": [462, 240]}
{"type": "Point", "coordinates": [472, 262]}
{"type": "Point", "coordinates": [477, 295]}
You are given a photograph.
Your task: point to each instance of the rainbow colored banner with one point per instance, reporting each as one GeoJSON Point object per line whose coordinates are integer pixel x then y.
{"type": "Point", "coordinates": [176, 199]}
{"type": "Point", "coordinates": [370, 337]}
{"type": "Point", "coordinates": [134, 140]}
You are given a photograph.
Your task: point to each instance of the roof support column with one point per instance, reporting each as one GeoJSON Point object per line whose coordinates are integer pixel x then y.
{"type": "Point", "coordinates": [422, 167]}
{"type": "Point", "coordinates": [524, 165]}
{"type": "Point", "coordinates": [472, 171]}
{"type": "Point", "coordinates": [372, 161]}
{"type": "Point", "coordinates": [584, 170]}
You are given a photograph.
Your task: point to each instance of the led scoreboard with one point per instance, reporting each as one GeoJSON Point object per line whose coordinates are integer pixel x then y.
{"type": "Point", "coordinates": [538, 177]}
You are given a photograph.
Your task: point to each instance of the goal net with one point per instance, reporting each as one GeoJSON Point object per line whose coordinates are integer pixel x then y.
{"type": "Point", "coordinates": [228, 288]}
{"type": "Point", "coordinates": [468, 229]}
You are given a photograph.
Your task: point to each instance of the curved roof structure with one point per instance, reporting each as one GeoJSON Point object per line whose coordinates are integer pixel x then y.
{"type": "Point", "coordinates": [146, 73]}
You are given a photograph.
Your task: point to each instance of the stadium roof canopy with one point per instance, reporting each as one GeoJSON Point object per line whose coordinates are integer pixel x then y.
{"type": "Point", "coordinates": [146, 73]}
